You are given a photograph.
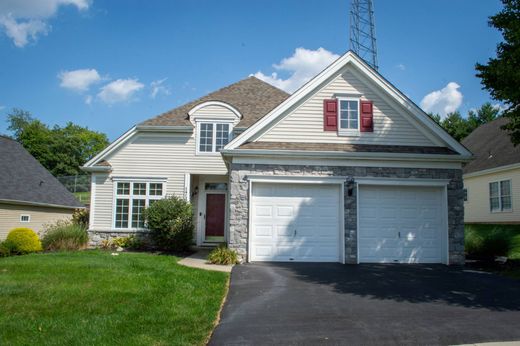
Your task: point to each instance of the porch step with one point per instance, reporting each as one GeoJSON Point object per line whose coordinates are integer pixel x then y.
{"type": "Point", "coordinates": [206, 246]}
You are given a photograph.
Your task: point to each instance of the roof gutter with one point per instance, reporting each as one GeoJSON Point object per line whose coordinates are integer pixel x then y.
{"type": "Point", "coordinates": [39, 204]}
{"type": "Point", "coordinates": [96, 169]}
{"type": "Point", "coordinates": [151, 128]}
{"type": "Point", "coordinates": [491, 170]}
{"type": "Point", "coordinates": [346, 155]}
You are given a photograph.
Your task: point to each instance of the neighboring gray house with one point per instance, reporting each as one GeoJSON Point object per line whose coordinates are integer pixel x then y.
{"type": "Point", "coordinates": [29, 195]}
{"type": "Point", "coordinates": [492, 179]}
{"type": "Point", "coordinates": [346, 169]}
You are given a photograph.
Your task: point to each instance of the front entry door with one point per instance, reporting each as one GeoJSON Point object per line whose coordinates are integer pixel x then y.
{"type": "Point", "coordinates": [215, 215]}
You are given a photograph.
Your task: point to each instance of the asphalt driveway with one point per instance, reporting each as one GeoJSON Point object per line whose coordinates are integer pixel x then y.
{"type": "Point", "coordinates": [299, 303]}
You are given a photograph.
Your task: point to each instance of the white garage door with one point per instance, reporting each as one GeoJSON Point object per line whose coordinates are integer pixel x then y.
{"type": "Point", "coordinates": [295, 222]}
{"type": "Point", "coordinates": [401, 224]}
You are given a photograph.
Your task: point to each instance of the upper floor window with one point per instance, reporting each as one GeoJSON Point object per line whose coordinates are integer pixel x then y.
{"type": "Point", "coordinates": [131, 200]}
{"type": "Point", "coordinates": [212, 137]}
{"type": "Point", "coordinates": [500, 196]}
{"type": "Point", "coordinates": [348, 116]}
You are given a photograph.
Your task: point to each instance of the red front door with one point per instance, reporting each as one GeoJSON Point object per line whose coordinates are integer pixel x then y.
{"type": "Point", "coordinates": [215, 214]}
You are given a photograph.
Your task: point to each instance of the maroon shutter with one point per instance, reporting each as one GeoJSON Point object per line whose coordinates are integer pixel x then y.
{"type": "Point", "coordinates": [366, 117]}
{"type": "Point", "coordinates": [330, 115]}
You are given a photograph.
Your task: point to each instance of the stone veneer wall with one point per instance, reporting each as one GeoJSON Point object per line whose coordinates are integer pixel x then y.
{"type": "Point", "coordinates": [239, 200]}
{"type": "Point", "coordinates": [95, 238]}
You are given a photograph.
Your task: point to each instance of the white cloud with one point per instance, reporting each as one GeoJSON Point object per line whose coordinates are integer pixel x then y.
{"type": "Point", "coordinates": [20, 32]}
{"type": "Point", "coordinates": [79, 80]}
{"type": "Point", "coordinates": [120, 90]}
{"type": "Point", "coordinates": [158, 88]}
{"type": "Point", "coordinates": [443, 101]}
{"type": "Point", "coordinates": [25, 20]}
{"type": "Point", "coordinates": [501, 107]}
{"type": "Point", "coordinates": [88, 99]}
{"type": "Point", "coordinates": [401, 67]}
{"type": "Point", "coordinates": [303, 65]}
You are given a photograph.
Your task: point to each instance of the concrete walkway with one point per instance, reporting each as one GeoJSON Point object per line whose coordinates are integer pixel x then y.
{"type": "Point", "coordinates": [199, 260]}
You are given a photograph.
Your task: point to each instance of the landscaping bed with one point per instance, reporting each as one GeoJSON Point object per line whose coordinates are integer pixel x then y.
{"type": "Point", "coordinates": [493, 248]}
{"type": "Point", "coordinates": [97, 298]}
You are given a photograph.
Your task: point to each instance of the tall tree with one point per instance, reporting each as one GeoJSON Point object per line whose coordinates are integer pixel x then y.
{"type": "Point", "coordinates": [485, 114]}
{"type": "Point", "coordinates": [501, 75]}
{"type": "Point", "coordinates": [456, 125]}
{"type": "Point", "coordinates": [62, 150]}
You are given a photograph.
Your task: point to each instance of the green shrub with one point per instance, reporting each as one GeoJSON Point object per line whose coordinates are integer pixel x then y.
{"type": "Point", "coordinates": [473, 242]}
{"type": "Point", "coordinates": [130, 242]}
{"type": "Point", "coordinates": [223, 255]}
{"type": "Point", "coordinates": [7, 248]}
{"type": "Point", "coordinates": [514, 247]}
{"type": "Point", "coordinates": [65, 235]}
{"type": "Point", "coordinates": [106, 244]}
{"type": "Point", "coordinates": [24, 240]}
{"type": "Point", "coordinates": [170, 221]}
{"type": "Point", "coordinates": [81, 217]}
{"type": "Point", "coordinates": [492, 240]}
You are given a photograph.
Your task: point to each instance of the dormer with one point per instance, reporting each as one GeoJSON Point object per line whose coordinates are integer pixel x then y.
{"type": "Point", "coordinates": [214, 122]}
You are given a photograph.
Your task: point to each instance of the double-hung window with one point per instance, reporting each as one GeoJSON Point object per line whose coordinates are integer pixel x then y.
{"type": "Point", "coordinates": [212, 137]}
{"type": "Point", "coordinates": [348, 114]}
{"type": "Point", "coordinates": [131, 200]}
{"type": "Point", "coordinates": [500, 196]}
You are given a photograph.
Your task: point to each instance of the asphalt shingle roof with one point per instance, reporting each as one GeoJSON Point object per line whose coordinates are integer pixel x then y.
{"type": "Point", "coordinates": [252, 97]}
{"type": "Point", "coordinates": [24, 179]}
{"type": "Point", "coordinates": [491, 147]}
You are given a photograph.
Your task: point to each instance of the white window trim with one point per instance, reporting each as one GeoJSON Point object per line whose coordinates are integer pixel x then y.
{"type": "Point", "coordinates": [349, 132]}
{"type": "Point", "coordinates": [147, 197]}
{"type": "Point", "coordinates": [500, 209]}
{"type": "Point", "coordinates": [28, 218]}
{"type": "Point", "coordinates": [215, 122]}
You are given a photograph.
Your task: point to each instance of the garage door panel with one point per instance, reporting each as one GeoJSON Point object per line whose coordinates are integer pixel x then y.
{"type": "Point", "coordinates": [263, 210]}
{"type": "Point", "coordinates": [264, 230]}
{"type": "Point", "coordinates": [413, 235]}
{"type": "Point", "coordinates": [310, 210]}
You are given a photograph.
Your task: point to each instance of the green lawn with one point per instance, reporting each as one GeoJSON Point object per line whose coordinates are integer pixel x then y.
{"type": "Point", "coordinates": [94, 298]}
{"type": "Point", "coordinates": [83, 197]}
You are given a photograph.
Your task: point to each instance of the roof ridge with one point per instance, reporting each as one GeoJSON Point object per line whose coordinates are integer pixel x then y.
{"type": "Point", "coordinates": [7, 137]}
{"type": "Point", "coordinates": [252, 96]}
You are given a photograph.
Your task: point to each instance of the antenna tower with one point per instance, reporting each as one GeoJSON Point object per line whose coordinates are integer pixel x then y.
{"type": "Point", "coordinates": [363, 31]}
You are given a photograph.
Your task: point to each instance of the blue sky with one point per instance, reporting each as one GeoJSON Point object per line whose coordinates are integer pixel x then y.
{"type": "Point", "coordinates": [111, 64]}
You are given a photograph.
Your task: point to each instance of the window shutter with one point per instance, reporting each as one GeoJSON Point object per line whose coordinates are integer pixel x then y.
{"type": "Point", "coordinates": [330, 115]}
{"type": "Point", "coordinates": [367, 117]}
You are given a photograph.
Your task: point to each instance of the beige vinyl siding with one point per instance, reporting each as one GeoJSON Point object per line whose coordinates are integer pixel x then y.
{"type": "Point", "coordinates": [305, 123]}
{"type": "Point", "coordinates": [477, 208]}
{"type": "Point", "coordinates": [152, 155]}
{"type": "Point", "coordinates": [213, 112]}
{"type": "Point", "coordinates": [39, 217]}
{"type": "Point", "coordinates": [102, 202]}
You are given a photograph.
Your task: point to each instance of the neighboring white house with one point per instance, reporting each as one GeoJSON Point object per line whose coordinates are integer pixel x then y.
{"type": "Point", "coordinates": [346, 169]}
{"type": "Point", "coordinates": [492, 180]}
{"type": "Point", "coordinates": [29, 195]}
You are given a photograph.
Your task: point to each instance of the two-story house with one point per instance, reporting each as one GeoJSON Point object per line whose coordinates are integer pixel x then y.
{"type": "Point", "coordinates": [346, 169]}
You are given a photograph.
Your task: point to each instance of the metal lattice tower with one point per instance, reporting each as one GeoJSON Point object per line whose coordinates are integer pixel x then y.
{"type": "Point", "coordinates": [363, 31]}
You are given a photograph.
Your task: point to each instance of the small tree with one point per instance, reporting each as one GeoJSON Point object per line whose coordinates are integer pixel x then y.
{"type": "Point", "coordinates": [170, 221]}
{"type": "Point", "coordinates": [501, 75]}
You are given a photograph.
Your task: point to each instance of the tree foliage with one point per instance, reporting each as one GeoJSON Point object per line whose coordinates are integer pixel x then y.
{"type": "Point", "coordinates": [460, 127]}
{"type": "Point", "coordinates": [501, 75]}
{"type": "Point", "coordinates": [62, 150]}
